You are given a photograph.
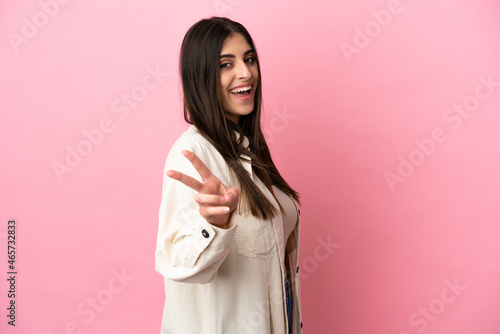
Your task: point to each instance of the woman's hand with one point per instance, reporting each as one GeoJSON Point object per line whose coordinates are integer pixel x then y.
{"type": "Point", "coordinates": [215, 199]}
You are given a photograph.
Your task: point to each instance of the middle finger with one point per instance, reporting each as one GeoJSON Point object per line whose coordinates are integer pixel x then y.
{"type": "Point", "coordinates": [202, 169]}
{"type": "Point", "coordinates": [209, 199]}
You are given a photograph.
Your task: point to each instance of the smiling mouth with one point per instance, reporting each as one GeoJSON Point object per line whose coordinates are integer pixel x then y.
{"type": "Point", "coordinates": [242, 91]}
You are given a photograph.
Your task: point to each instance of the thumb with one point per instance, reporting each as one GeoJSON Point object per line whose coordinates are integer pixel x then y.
{"type": "Point", "coordinates": [232, 195]}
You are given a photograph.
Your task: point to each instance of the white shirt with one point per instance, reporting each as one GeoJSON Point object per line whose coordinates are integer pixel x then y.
{"type": "Point", "coordinates": [222, 281]}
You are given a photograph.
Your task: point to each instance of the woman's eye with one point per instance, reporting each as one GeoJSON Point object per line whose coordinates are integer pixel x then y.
{"type": "Point", "coordinates": [250, 60]}
{"type": "Point", "coordinates": [224, 65]}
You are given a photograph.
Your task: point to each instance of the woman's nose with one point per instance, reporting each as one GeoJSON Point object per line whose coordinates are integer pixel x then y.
{"type": "Point", "coordinates": [242, 70]}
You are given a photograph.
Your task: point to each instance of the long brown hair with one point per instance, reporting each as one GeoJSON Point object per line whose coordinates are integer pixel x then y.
{"type": "Point", "coordinates": [200, 73]}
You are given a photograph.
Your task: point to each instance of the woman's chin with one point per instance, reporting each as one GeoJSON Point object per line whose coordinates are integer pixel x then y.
{"type": "Point", "coordinates": [242, 112]}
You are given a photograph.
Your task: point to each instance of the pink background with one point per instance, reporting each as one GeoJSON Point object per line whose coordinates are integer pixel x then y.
{"type": "Point", "coordinates": [400, 215]}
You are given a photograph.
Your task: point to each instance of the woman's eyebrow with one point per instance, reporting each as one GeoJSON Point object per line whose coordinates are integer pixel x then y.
{"type": "Point", "coordinates": [232, 56]}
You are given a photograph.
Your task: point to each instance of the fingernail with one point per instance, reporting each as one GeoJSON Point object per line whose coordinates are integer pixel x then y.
{"type": "Point", "coordinates": [225, 209]}
{"type": "Point", "coordinates": [222, 200]}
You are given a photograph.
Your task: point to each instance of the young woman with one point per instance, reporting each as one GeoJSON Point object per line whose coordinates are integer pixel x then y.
{"type": "Point", "coordinates": [229, 227]}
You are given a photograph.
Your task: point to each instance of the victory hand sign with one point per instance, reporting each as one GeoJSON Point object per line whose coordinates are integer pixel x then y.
{"type": "Point", "coordinates": [215, 199]}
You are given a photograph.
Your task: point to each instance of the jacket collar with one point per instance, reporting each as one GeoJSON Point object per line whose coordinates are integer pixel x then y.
{"type": "Point", "coordinates": [247, 165]}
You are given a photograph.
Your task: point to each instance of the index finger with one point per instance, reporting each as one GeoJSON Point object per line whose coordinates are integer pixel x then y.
{"type": "Point", "coordinates": [186, 179]}
{"type": "Point", "coordinates": [202, 169]}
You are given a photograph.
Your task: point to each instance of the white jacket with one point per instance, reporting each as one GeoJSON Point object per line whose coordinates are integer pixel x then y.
{"type": "Point", "coordinates": [222, 281]}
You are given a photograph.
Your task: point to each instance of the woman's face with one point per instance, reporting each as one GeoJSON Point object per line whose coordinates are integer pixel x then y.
{"type": "Point", "coordinates": [239, 74]}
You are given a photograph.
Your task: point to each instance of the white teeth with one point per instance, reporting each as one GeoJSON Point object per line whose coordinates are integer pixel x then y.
{"type": "Point", "coordinates": [242, 89]}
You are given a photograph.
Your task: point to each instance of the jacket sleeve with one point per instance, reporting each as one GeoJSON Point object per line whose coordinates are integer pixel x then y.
{"type": "Point", "coordinates": [189, 249]}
